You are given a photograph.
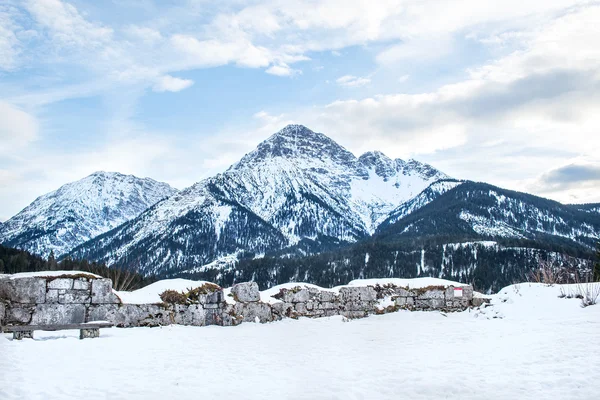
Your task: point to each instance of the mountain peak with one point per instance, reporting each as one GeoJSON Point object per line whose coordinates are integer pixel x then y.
{"type": "Point", "coordinates": [383, 165]}
{"type": "Point", "coordinates": [296, 142]}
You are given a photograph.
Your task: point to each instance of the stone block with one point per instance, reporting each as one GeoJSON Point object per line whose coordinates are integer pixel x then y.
{"type": "Point", "coordinates": [52, 296]}
{"type": "Point", "coordinates": [479, 301]}
{"type": "Point", "coordinates": [103, 312]}
{"type": "Point", "coordinates": [215, 297]}
{"type": "Point", "coordinates": [193, 314]}
{"type": "Point", "coordinates": [60, 283]}
{"type": "Point", "coordinates": [403, 292]}
{"type": "Point", "coordinates": [89, 333]}
{"type": "Point", "coordinates": [301, 308]}
{"type": "Point", "coordinates": [433, 294]}
{"type": "Point", "coordinates": [81, 284]}
{"type": "Point", "coordinates": [131, 315]}
{"type": "Point", "coordinates": [327, 297]}
{"type": "Point", "coordinates": [355, 294]}
{"type": "Point", "coordinates": [74, 297]}
{"type": "Point", "coordinates": [58, 314]}
{"type": "Point", "coordinates": [102, 292]}
{"type": "Point", "coordinates": [328, 306]}
{"type": "Point", "coordinates": [2, 313]}
{"type": "Point", "coordinates": [23, 290]}
{"type": "Point", "coordinates": [22, 335]}
{"type": "Point", "coordinates": [246, 292]}
{"type": "Point", "coordinates": [19, 315]}
{"type": "Point", "coordinates": [301, 296]}
{"type": "Point", "coordinates": [405, 302]}
{"type": "Point", "coordinates": [250, 311]}
{"type": "Point", "coordinates": [468, 292]}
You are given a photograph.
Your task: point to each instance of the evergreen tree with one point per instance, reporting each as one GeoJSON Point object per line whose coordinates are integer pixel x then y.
{"type": "Point", "coordinates": [52, 264]}
{"type": "Point", "coordinates": [597, 265]}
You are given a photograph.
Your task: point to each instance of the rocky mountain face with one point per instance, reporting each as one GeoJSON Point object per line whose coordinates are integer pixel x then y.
{"type": "Point", "coordinates": [79, 211]}
{"type": "Point", "coordinates": [459, 230]}
{"type": "Point", "coordinates": [295, 186]}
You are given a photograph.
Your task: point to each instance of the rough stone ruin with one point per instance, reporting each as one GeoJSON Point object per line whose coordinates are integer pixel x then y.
{"type": "Point", "coordinates": [79, 298]}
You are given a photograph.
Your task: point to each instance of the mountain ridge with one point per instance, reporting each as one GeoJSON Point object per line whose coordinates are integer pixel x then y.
{"type": "Point", "coordinates": [79, 211]}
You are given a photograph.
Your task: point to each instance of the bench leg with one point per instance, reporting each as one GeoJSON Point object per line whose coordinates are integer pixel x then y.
{"type": "Point", "coordinates": [89, 333]}
{"type": "Point", "coordinates": [22, 335]}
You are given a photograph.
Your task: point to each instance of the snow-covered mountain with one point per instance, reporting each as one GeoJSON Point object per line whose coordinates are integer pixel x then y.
{"type": "Point", "coordinates": [480, 210]}
{"type": "Point", "coordinates": [297, 185]}
{"type": "Point", "coordinates": [79, 211]}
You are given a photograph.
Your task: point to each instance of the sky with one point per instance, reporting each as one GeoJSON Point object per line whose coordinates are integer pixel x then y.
{"type": "Point", "coordinates": [177, 90]}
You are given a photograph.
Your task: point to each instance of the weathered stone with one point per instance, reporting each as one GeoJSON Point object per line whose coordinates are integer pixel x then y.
{"type": "Point", "coordinates": [102, 292]}
{"type": "Point", "coordinates": [52, 296]}
{"type": "Point", "coordinates": [404, 301]}
{"type": "Point", "coordinates": [58, 314]}
{"type": "Point", "coordinates": [2, 313]}
{"type": "Point", "coordinates": [328, 306]}
{"type": "Point", "coordinates": [193, 314]}
{"type": "Point", "coordinates": [128, 315]}
{"type": "Point", "coordinates": [301, 296]}
{"type": "Point", "coordinates": [402, 292]}
{"type": "Point", "coordinates": [81, 284]}
{"type": "Point", "coordinates": [468, 292]}
{"type": "Point", "coordinates": [250, 311]}
{"type": "Point", "coordinates": [326, 297]}
{"type": "Point", "coordinates": [60, 283]}
{"type": "Point", "coordinates": [23, 290]}
{"type": "Point", "coordinates": [103, 312]}
{"type": "Point", "coordinates": [215, 297]}
{"type": "Point", "coordinates": [22, 335]}
{"type": "Point", "coordinates": [246, 292]}
{"type": "Point", "coordinates": [478, 301]}
{"type": "Point", "coordinates": [211, 306]}
{"type": "Point", "coordinates": [89, 333]}
{"type": "Point", "coordinates": [20, 315]}
{"type": "Point", "coordinates": [300, 308]}
{"type": "Point", "coordinates": [432, 294]}
{"type": "Point", "coordinates": [311, 305]}
{"type": "Point", "coordinates": [367, 306]}
{"type": "Point", "coordinates": [355, 294]}
{"type": "Point", "coordinates": [75, 297]}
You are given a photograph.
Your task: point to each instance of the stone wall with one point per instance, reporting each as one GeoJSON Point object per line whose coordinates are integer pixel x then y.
{"type": "Point", "coordinates": [81, 298]}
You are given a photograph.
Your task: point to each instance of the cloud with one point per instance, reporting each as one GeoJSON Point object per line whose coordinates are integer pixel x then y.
{"type": "Point", "coordinates": [571, 175]}
{"type": "Point", "coordinates": [66, 26]}
{"type": "Point", "coordinates": [352, 81]}
{"type": "Point", "coordinates": [168, 83]}
{"type": "Point", "coordinates": [282, 70]}
{"type": "Point", "coordinates": [423, 49]}
{"type": "Point", "coordinates": [17, 128]}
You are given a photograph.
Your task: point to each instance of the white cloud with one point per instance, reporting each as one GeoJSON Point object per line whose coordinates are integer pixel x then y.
{"type": "Point", "coordinates": [282, 70]}
{"type": "Point", "coordinates": [352, 81]}
{"type": "Point", "coordinates": [17, 128]}
{"type": "Point", "coordinates": [66, 25]}
{"type": "Point", "coordinates": [168, 83]}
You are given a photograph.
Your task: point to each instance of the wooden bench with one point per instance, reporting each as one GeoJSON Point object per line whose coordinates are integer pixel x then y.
{"type": "Point", "coordinates": [86, 330]}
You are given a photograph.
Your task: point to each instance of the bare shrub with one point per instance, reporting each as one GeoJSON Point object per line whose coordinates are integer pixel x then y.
{"type": "Point", "coordinates": [173, 297]}
{"type": "Point", "coordinates": [589, 293]}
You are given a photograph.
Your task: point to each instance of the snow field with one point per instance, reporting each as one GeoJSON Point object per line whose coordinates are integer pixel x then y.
{"type": "Point", "coordinates": [543, 347]}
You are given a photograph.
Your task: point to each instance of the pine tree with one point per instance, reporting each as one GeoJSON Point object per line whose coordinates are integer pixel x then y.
{"type": "Point", "coordinates": [597, 265]}
{"type": "Point", "coordinates": [52, 264]}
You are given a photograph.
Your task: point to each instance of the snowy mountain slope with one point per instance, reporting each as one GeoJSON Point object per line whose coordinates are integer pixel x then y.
{"type": "Point", "coordinates": [296, 185]}
{"type": "Point", "coordinates": [79, 211]}
{"type": "Point", "coordinates": [591, 208]}
{"type": "Point", "coordinates": [431, 193]}
{"type": "Point", "coordinates": [482, 210]}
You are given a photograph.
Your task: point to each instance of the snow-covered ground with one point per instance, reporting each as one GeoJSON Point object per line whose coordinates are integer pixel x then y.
{"type": "Point", "coordinates": [538, 346]}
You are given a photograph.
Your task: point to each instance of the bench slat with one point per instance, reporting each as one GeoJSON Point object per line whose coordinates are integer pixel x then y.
{"type": "Point", "coordinates": [21, 328]}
